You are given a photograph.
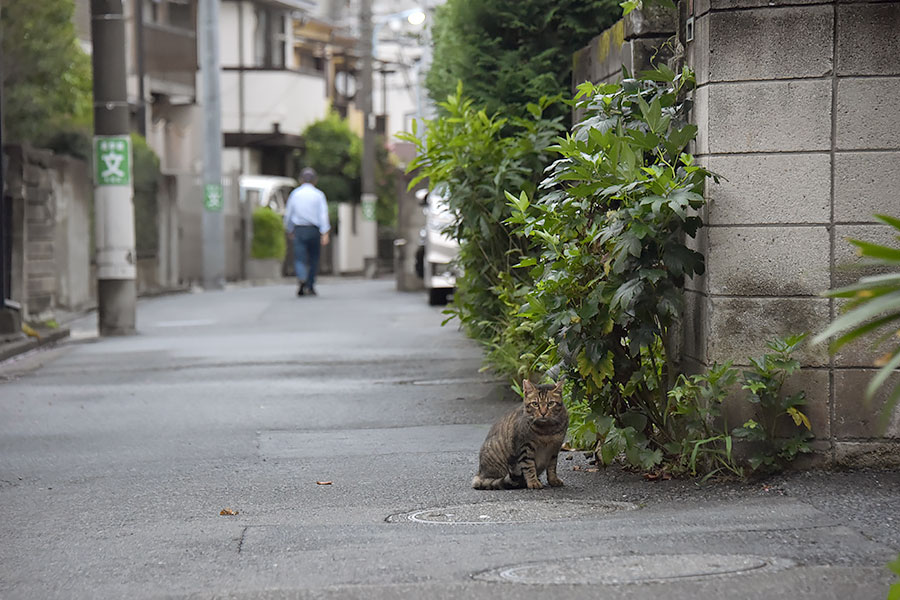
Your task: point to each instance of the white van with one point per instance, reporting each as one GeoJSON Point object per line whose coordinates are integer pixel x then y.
{"type": "Point", "coordinates": [441, 249]}
{"type": "Point", "coordinates": [267, 190]}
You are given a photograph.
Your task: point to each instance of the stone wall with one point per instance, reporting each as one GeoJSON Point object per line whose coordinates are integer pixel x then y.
{"type": "Point", "coordinates": [45, 214]}
{"type": "Point", "coordinates": [796, 108]}
{"type": "Point", "coordinates": [53, 249]}
{"type": "Point", "coordinates": [631, 43]}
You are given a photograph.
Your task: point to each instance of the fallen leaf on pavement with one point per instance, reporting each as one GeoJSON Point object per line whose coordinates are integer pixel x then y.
{"type": "Point", "coordinates": [228, 512]}
{"type": "Point", "coordinates": [323, 483]}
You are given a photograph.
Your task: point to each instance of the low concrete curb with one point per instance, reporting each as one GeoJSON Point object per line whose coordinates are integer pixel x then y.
{"type": "Point", "coordinates": [12, 348]}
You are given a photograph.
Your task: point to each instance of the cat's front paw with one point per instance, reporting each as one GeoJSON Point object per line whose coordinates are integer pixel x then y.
{"type": "Point", "coordinates": [555, 482]}
{"type": "Point", "coordinates": [535, 485]}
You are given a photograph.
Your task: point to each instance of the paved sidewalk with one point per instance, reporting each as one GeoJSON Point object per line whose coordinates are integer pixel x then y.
{"type": "Point", "coordinates": [342, 431]}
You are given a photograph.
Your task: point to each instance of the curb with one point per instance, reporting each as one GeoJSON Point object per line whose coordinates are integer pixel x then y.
{"type": "Point", "coordinates": [48, 336]}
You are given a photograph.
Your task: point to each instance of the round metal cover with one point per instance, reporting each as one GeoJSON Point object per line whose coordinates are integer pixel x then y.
{"type": "Point", "coordinates": [632, 569]}
{"type": "Point", "coordinates": [514, 511]}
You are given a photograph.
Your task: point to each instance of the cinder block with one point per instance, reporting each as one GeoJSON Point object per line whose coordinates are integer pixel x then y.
{"type": "Point", "coordinates": [42, 267]}
{"type": "Point", "coordinates": [786, 43]}
{"type": "Point", "coordinates": [739, 4]}
{"type": "Point", "coordinates": [40, 285]}
{"type": "Point", "coordinates": [868, 43]}
{"type": "Point", "coordinates": [866, 183]}
{"type": "Point", "coordinates": [697, 51]}
{"type": "Point", "coordinates": [848, 267]}
{"type": "Point", "coordinates": [862, 455]}
{"type": "Point", "coordinates": [38, 232]}
{"type": "Point", "coordinates": [602, 57]}
{"type": "Point", "coordinates": [867, 113]}
{"type": "Point", "coordinates": [37, 250]}
{"type": "Point", "coordinates": [740, 327]}
{"type": "Point", "coordinates": [854, 416]}
{"type": "Point", "coordinates": [768, 261]}
{"type": "Point", "coordinates": [695, 326]}
{"type": "Point", "coordinates": [819, 458]}
{"type": "Point", "coordinates": [651, 21]}
{"type": "Point", "coordinates": [35, 176]}
{"type": "Point", "coordinates": [700, 118]}
{"type": "Point", "coordinates": [38, 212]}
{"type": "Point", "coordinates": [583, 65]}
{"type": "Point", "coordinates": [699, 243]}
{"type": "Point", "coordinates": [770, 116]}
{"type": "Point", "coordinates": [771, 188]}
{"type": "Point", "coordinates": [642, 54]}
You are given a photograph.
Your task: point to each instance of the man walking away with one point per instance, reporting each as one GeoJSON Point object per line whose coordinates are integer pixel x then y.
{"type": "Point", "coordinates": [306, 221]}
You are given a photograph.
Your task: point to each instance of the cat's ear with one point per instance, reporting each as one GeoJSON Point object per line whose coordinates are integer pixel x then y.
{"type": "Point", "coordinates": [527, 387]}
{"type": "Point", "coordinates": [558, 388]}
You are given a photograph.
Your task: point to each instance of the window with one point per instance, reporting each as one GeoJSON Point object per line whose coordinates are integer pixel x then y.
{"type": "Point", "coordinates": [270, 38]}
{"type": "Point", "coordinates": [181, 15]}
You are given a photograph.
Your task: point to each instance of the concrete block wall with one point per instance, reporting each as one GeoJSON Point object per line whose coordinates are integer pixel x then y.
{"type": "Point", "coordinates": [796, 107]}
{"type": "Point", "coordinates": [34, 246]}
{"type": "Point", "coordinates": [633, 42]}
{"type": "Point", "coordinates": [72, 199]}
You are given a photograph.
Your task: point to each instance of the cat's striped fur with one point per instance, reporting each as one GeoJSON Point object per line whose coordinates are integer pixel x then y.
{"type": "Point", "coordinates": [525, 442]}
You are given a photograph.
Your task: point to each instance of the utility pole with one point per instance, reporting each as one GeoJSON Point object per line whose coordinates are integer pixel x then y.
{"type": "Point", "coordinates": [113, 183]}
{"type": "Point", "coordinates": [368, 231]}
{"type": "Point", "coordinates": [213, 196]}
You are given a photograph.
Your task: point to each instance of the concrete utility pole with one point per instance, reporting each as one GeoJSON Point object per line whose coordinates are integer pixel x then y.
{"type": "Point", "coordinates": [213, 196]}
{"type": "Point", "coordinates": [114, 186]}
{"type": "Point", "coordinates": [368, 229]}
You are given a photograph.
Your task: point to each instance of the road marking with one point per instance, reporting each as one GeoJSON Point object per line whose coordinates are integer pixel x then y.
{"type": "Point", "coordinates": [186, 323]}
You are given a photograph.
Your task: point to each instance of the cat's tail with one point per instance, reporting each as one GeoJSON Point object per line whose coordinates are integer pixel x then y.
{"type": "Point", "coordinates": [491, 483]}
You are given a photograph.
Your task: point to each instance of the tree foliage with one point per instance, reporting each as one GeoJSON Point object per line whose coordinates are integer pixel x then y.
{"type": "Point", "coordinates": [46, 75]}
{"type": "Point", "coordinates": [510, 52]}
{"type": "Point", "coordinates": [335, 152]}
{"type": "Point", "coordinates": [268, 235]}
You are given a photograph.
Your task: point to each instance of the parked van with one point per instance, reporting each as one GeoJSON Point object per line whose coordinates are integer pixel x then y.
{"type": "Point", "coordinates": [267, 190]}
{"type": "Point", "coordinates": [439, 249]}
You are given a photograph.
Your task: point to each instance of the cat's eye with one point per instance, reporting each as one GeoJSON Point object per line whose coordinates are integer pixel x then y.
{"type": "Point", "coordinates": [533, 404]}
{"type": "Point", "coordinates": [553, 404]}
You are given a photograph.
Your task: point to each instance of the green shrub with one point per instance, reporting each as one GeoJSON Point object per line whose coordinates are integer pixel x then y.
{"type": "Point", "coordinates": [268, 235]}
{"type": "Point", "coordinates": [777, 431]}
{"type": "Point", "coordinates": [145, 166]}
{"type": "Point", "coordinates": [509, 52]}
{"type": "Point", "coordinates": [610, 224]}
{"type": "Point", "coordinates": [479, 156]}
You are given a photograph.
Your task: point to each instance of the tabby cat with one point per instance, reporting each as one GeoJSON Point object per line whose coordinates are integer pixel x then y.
{"type": "Point", "coordinates": [525, 443]}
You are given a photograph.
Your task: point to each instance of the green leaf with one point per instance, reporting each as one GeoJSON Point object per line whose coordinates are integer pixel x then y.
{"type": "Point", "coordinates": [881, 377]}
{"type": "Point", "coordinates": [630, 5]}
{"type": "Point", "coordinates": [863, 313]}
{"type": "Point", "coordinates": [884, 254]}
{"type": "Point", "coordinates": [892, 221]}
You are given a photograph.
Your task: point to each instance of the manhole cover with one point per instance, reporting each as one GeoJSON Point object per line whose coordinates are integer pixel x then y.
{"type": "Point", "coordinates": [515, 511]}
{"type": "Point", "coordinates": [632, 569]}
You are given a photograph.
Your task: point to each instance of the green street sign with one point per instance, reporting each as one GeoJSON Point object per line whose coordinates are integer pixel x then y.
{"type": "Point", "coordinates": [368, 210]}
{"type": "Point", "coordinates": [112, 160]}
{"type": "Point", "coordinates": [213, 197]}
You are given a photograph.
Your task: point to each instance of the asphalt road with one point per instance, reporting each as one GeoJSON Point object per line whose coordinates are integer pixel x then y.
{"type": "Point", "coordinates": [118, 455]}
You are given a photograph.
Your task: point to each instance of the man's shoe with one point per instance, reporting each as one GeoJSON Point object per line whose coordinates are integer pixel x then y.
{"type": "Point", "coordinates": [311, 291]}
{"type": "Point", "coordinates": [301, 289]}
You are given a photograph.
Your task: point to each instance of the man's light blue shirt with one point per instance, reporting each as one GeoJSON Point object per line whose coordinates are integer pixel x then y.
{"type": "Point", "coordinates": [306, 206]}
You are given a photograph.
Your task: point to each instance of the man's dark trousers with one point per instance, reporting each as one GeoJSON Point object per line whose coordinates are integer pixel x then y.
{"type": "Point", "coordinates": [307, 245]}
